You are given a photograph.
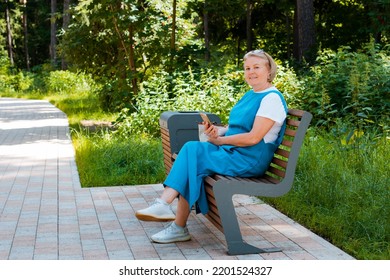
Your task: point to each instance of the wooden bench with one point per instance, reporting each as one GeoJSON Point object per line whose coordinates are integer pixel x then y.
{"type": "Point", "coordinates": [277, 181]}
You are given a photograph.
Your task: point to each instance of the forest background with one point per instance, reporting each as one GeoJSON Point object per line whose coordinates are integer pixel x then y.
{"type": "Point", "coordinates": [125, 62]}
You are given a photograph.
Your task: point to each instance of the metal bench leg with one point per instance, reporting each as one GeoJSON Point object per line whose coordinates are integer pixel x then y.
{"type": "Point", "coordinates": [231, 228]}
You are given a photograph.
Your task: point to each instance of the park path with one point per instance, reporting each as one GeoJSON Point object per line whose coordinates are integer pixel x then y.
{"type": "Point", "coordinates": [45, 214]}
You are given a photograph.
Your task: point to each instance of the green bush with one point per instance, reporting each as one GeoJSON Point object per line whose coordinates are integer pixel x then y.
{"type": "Point", "coordinates": [194, 91]}
{"type": "Point", "coordinates": [347, 85]}
{"type": "Point", "coordinates": [69, 82]}
{"type": "Point", "coordinates": [13, 82]}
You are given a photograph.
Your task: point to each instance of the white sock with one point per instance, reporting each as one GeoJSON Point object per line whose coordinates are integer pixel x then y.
{"type": "Point", "coordinates": [162, 201]}
{"type": "Point", "coordinates": [177, 226]}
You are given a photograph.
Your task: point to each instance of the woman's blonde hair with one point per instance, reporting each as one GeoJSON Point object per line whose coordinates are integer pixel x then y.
{"type": "Point", "coordinates": [271, 63]}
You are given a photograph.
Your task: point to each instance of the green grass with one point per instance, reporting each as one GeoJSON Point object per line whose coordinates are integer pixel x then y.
{"type": "Point", "coordinates": [105, 160]}
{"type": "Point", "coordinates": [342, 193]}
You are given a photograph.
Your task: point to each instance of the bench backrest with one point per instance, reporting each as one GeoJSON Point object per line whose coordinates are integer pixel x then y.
{"type": "Point", "coordinates": [286, 156]}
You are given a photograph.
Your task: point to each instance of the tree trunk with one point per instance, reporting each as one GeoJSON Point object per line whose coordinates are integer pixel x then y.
{"type": "Point", "coordinates": [134, 80]}
{"type": "Point", "coordinates": [65, 24]}
{"type": "Point", "coordinates": [129, 51]}
{"type": "Point", "coordinates": [173, 35]}
{"type": "Point", "coordinates": [9, 33]}
{"type": "Point", "coordinates": [304, 29]}
{"type": "Point", "coordinates": [249, 37]}
{"type": "Point", "coordinates": [206, 32]}
{"type": "Point", "coordinates": [53, 30]}
{"type": "Point", "coordinates": [25, 33]}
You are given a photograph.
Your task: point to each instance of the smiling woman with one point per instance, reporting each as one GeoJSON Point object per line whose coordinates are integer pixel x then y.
{"type": "Point", "coordinates": [256, 127]}
{"type": "Point", "coordinates": [258, 63]}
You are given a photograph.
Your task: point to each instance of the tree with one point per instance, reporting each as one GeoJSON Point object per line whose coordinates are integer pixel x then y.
{"type": "Point", "coordinates": [9, 33]}
{"type": "Point", "coordinates": [206, 30]}
{"type": "Point", "coordinates": [53, 32]}
{"type": "Point", "coordinates": [118, 43]}
{"type": "Point", "coordinates": [65, 24]}
{"type": "Point", "coordinates": [173, 31]}
{"type": "Point", "coordinates": [25, 33]}
{"type": "Point", "coordinates": [249, 35]}
{"type": "Point", "coordinates": [304, 29]}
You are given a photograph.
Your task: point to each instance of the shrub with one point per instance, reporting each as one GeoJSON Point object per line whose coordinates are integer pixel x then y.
{"type": "Point", "coordinates": [347, 85]}
{"type": "Point", "coordinates": [14, 82]}
{"type": "Point", "coordinates": [69, 82]}
{"type": "Point", "coordinates": [193, 91]}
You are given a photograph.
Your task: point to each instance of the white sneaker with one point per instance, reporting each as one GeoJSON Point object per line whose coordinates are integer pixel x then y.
{"type": "Point", "coordinates": [173, 233]}
{"type": "Point", "coordinates": [159, 211]}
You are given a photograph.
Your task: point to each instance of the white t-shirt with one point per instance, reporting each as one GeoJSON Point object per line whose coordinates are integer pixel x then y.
{"type": "Point", "coordinates": [272, 107]}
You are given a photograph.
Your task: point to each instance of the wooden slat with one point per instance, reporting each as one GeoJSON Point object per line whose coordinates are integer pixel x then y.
{"type": "Point", "coordinates": [277, 172]}
{"type": "Point", "coordinates": [214, 221]}
{"type": "Point", "coordinates": [168, 163]}
{"type": "Point", "coordinates": [271, 179]}
{"type": "Point", "coordinates": [295, 112]}
{"type": "Point", "coordinates": [166, 142]}
{"type": "Point", "coordinates": [213, 207]}
{"type": "Point", "coordinates": [292, 122]}
{"type": "Point", "coordinates": [262, 180]}
{"type": "Point", "coordinates": [290, 132]}
{"type": "Point", "coordinates": [279, 162]}
{"type": "Point", "coordinates": [282, 152]}
{"type": "Point", "coordinates": [287, 143]}
{"type": "Point", "coordinates": [209, 180]}
{"type": "Point", "coordinates": [210, 193]}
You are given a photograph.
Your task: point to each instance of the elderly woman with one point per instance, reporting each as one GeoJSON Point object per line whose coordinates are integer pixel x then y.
{"type": "Point", "coordinates": [256, 127]}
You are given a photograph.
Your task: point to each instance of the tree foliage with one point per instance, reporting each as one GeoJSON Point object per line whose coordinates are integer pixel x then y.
{"type": "Point", "coordinates": [124, 42]}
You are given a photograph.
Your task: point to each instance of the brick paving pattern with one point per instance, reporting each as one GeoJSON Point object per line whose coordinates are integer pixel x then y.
{"type": "Point", "coordinates": [46, 215]}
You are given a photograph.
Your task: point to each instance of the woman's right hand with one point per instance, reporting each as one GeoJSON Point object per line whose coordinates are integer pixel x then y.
{"type": "Point", "coordinates": [211, 130]}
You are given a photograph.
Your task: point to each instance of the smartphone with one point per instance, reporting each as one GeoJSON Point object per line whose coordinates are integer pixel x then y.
{"type": "Point", "coordinates": [205, 118]}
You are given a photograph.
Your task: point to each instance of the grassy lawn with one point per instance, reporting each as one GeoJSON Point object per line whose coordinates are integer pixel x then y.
{"type": "Point", "coordinates": [341, 192]}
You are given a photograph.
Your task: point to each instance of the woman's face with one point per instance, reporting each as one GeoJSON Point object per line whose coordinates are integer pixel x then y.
{"type": "Point", "coordinates": [256, 73]}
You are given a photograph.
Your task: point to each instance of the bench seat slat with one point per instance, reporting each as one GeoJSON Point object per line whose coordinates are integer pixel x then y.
{"type": "Point", "coordinates": [279, 162]}
{"type": "Point", "coordinates": [282, 152]}
{"type": "Point", "coordinates": [271, 179]}
{"type": "Point", "coordinates": [215, 221]}
{"type": "Point", "coordinates": [277, 172]}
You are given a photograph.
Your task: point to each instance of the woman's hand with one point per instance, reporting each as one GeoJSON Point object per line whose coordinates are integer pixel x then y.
{"type": "Point", "coordinates": [260, 128]}
{"type": "Point", "coordinates": [212, 132]}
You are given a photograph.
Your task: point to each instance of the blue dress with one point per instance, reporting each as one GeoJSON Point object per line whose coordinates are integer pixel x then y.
{"type": "Point", "coordinates": [197, 160]}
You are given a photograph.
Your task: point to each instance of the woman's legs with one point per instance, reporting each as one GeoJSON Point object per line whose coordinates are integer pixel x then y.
{"type": "Point", "coordinates": [169, 195]}
{"type": "Point", "coordinates": [182, 213]}
{"type": "Point", "coordinates": [161, 211]}
{"type": "Point", "coordinates": [183, 208]}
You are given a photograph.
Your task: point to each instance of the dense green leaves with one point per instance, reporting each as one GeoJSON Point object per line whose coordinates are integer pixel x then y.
{"type": "Point", "coordinates": [349, 85]}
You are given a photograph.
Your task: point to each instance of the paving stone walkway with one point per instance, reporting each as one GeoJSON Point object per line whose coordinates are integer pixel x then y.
{"type": "Point", "coordinates": [45, 214]}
